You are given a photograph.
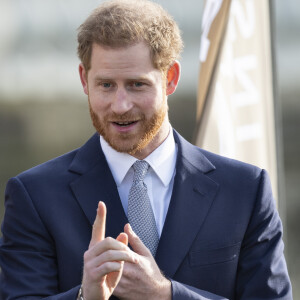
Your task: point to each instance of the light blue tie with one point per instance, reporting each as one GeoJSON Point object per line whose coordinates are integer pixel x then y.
{"type": "Point", "coordinates": [140, 213]}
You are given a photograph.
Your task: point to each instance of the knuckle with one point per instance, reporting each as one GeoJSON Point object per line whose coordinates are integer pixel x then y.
{"type": "Point", "coordinates": [109, 240]}
{"type": "Point", "coordinates": [86, 256]}
{"type": "Point", "coordinates": [87, 267]}
{"type": "Point", "coordinates": [107, 267]}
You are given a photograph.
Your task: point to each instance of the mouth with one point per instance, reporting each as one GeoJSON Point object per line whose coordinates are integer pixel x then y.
{"type": "Point", "coordinates": [124, 124]}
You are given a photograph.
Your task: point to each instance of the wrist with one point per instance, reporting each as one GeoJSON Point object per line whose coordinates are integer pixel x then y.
{"type": "Point", "coordinates": [80, 294]}
{"type": "Point", "coordinates": [166, 290]}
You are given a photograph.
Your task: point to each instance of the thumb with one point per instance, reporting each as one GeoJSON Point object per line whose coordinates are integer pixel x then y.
{"type": "Point", "coordinates": [135, 242]}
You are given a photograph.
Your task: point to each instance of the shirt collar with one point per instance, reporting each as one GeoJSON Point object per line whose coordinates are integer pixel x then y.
{"type": "Point", "coordinates": [162, 160]}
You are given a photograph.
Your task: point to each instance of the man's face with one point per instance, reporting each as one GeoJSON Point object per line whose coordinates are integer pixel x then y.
{"type": "Point", "coordinates": [127, 98]}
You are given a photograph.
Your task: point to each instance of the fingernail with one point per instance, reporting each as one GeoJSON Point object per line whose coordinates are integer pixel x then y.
{"type": "Point", "coordinates": [98, 205]}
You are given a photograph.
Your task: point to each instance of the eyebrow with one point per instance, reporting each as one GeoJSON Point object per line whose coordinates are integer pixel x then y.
{"type": "Point", "coordinates": [138, 78]}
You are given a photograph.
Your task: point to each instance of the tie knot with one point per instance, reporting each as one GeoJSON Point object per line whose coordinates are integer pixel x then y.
{"type": "Point", "coordinates": [140, 168]}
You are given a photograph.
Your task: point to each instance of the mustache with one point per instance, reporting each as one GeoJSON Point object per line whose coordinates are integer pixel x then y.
{"type": "Point", "coordinates": [128, 116]}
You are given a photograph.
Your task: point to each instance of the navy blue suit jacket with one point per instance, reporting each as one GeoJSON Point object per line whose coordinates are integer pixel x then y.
{"type": "Point", "coordinates": [222, 234]}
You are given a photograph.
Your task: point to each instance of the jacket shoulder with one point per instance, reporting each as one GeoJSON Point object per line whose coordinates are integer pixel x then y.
{"type": "Point", "coordinates": [55, 166]}
{"type": "Point", "coordinates": [224, 162]}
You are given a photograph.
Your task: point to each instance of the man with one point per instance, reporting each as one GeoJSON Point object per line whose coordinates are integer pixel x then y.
{"type": "Point", "coordinates": [207, 227]}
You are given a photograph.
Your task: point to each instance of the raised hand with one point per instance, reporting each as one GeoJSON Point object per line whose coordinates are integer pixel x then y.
{"type": "Point", "coordinates": [142, 280]}
{"type": "Point", "coordinates": [104, 260]}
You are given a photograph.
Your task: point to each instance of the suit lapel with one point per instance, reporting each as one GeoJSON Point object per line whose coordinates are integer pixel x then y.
{"type": "Point", "coordinates": [96, 184]}
{"type": "Point", "coordinates": [192, 197]}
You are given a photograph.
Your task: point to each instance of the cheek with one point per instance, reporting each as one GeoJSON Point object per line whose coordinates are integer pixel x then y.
{"type": "Point", "coordinates": [97, 102]}
{"type": "Point", "coordinates": [154, 101]}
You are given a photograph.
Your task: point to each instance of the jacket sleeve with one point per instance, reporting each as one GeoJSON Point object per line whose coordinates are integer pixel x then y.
{"type": "Point", "coordinates": [262, 271]}
{"type": "Point", "coordinates": [182, 291]}
{"type": "Point", "coordinates": [27, 251]}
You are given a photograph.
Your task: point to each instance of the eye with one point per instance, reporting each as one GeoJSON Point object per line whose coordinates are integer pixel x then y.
{"type": "Point", "coordinates": [106, 85]}
{"type": "Point", "coordinates": [138, 84]}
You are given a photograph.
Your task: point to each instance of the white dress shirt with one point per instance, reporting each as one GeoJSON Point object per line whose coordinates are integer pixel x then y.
{"type": "Point", "coordinates": [159, 178]}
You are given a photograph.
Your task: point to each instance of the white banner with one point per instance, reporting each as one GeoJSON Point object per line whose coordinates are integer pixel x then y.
{"type": "Point", "coordinates": [237, 120]}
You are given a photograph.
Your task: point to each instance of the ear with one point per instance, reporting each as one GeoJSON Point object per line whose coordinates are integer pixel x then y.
{"type": "Point", "coordinates": [173, 76]}
{"type": "Point", "coordinates": [83, 77]}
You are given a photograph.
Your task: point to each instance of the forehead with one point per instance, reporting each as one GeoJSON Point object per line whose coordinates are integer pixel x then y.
{"type": "Point", "coordinates": [134, 58]}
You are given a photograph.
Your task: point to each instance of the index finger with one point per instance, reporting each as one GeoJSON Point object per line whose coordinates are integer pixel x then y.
{"type": "Point", "coordinates": [98, 232]}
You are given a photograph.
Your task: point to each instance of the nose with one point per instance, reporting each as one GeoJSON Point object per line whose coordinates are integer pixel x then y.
{"type": "Point", "coordinates": [121, 102]}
